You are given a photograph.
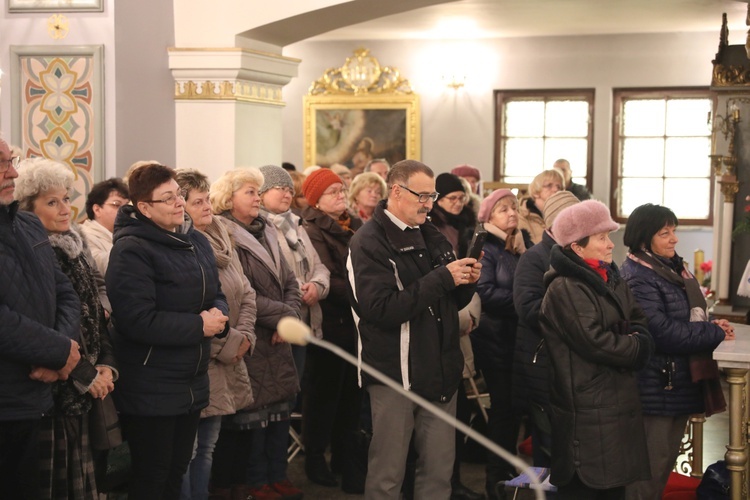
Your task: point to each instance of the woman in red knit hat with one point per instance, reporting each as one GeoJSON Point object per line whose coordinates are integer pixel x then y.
{"type": "Point", "coordinates": [330, 392]}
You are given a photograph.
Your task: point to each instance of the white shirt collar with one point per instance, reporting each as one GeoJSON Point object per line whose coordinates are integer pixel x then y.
{"type": "Point", "coordinates": [401, 224]}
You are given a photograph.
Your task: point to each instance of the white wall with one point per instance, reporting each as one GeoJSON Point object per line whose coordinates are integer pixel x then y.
{"type": "Point", "coordinates": [86, 28]}
{"type": "Point", "coordinates": [458, 126]}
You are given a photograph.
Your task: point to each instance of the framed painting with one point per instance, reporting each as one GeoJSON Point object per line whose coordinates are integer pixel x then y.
{"type": "Point", "coordinates": [57, 110]}
{"type": "Point", "coordinates": [353, 130]}
{"type": "Point", "coordinates": [55, 5]}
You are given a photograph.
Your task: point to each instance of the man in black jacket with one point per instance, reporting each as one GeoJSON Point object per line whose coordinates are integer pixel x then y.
{"type": "Point", "coordinates": [39, 320]}
{"type": "Point", "coordinates": [406, 289]}
{"type": "Point", "coordinates": [578, 190]}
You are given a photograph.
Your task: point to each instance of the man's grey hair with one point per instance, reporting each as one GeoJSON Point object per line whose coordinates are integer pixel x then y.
{"type": "Point", "coordinates": [402, 171]}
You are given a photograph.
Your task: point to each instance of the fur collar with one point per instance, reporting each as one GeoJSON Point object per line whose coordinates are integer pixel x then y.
{"type": "Point", "coordinates": [69, 242]}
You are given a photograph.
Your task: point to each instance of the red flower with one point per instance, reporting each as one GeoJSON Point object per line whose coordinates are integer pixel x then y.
{"type": "Point", "coordinates": [747, 208]}
{"type": "Point", "coordinates": [706, 266]}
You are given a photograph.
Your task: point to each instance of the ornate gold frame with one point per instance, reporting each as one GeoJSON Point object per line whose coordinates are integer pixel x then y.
{"type": "Point", "coordinates": [361, 84]}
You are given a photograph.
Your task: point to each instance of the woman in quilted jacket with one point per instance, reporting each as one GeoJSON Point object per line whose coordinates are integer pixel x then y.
{"type": "Point", "coordinates": [235, 198]}
{"type": "Point", "coordinates": [681, 378]}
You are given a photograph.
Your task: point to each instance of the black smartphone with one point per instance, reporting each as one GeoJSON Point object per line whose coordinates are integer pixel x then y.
{"type": "Point", "coordinates": [477, 242]}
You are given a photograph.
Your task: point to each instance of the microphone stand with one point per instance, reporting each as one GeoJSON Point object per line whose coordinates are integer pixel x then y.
{"type": "Point", "coordinates": [442, 415]}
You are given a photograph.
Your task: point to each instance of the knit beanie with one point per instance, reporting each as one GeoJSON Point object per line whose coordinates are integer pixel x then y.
{"type": "Point", "coordinates": [4, 148]}
{"type": "Point", "coordinates": [447, 184]}
{"type": "Point", "coordinates": [317, 182]}
{"type": "Point", "coordinates": [485, 209]}
{"type": "Point", "coordinates": [580, 220]}
{"type": "Point", "coordinates": [274, 176]}
{"type": "Point", "coordinates": [555, 204]}
{"type": "Point", "coordinates": [466, 171]}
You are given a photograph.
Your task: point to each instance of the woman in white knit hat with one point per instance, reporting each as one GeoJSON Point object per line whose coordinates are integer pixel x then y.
{"type": "Point", "coordinates": [597, 337]}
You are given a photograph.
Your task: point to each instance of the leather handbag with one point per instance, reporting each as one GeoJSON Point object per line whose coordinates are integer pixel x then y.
{"type": "Point", "coordinates": [104, 423]}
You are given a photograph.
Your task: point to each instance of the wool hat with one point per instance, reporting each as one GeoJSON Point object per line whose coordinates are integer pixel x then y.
{"type": "Point", "coordinates": [555, 204]}
{"type": "Point", "coordinates": [317, 182]}
{"type": "Point", "coordinates": [447, 183]}
{"type": "Point", "coordinates": [485, 209]}
{"type": "Point", "coordinates": [274, 176]}
{"type": "Point", "coordinates": [580, 220]}
{"type": "Point", "coordinates": [4, 148]}
{"type": "Point", "coordinates": [466, 171]}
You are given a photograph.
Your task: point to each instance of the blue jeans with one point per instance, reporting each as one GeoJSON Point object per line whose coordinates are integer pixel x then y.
{"type": "Point", "coordinates": [267, 464]}
{"type": "Point", "coordinates": [195, 480]}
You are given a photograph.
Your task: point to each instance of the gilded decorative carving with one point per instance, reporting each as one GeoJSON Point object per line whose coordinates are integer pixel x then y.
{"type": "Point", "coordinates": [228, 90]}
{"type": "Point", "coordinates": [729, 188]}
{"type": "Point", "coordinates": [730, 76]}
{"type": "Point", "coordinates": [360, 74]}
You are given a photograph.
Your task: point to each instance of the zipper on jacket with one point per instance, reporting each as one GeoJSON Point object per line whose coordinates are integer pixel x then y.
{"type": "Point", "coordinates": [148, 355]}
{"type": "Point", "coordinates": [200, 357]}
{"type": "Point", "coordinates": [538, 349]}
{"type": "Point", "coordinates": [203, 277]}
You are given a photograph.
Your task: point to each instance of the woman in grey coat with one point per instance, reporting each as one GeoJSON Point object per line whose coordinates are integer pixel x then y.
{"type": "Point", "coordinates": [234, 196]}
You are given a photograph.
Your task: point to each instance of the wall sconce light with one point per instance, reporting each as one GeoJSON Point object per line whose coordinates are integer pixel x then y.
{"type": "Point", "coordinates": [726, 124]}
{"type": "Point", "coordinates": [454, 81]}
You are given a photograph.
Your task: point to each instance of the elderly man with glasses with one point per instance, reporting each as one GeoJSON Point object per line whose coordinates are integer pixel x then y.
{"type": "Point", "coordinates": [39, 322]}
{"type": "Point", "coordinates": [406, 288]}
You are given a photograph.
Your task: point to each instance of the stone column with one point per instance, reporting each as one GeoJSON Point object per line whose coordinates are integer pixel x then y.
{"type": "Point", "coordinates": [228, 107]}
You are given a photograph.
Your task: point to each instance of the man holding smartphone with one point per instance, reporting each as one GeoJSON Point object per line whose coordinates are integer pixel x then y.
{"type": "Point", "coordinates": [406, 288]}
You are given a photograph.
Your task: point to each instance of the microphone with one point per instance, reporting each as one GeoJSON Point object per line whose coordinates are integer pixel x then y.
{"type": "Point", "coordinates": [297, 332]}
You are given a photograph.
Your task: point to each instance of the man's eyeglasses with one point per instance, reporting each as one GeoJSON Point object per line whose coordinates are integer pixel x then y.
{"type": "Point", "coordinates": [6, 164]}
{"type": "Point", "coordinates": [171, 199]}
{"type": "Point", "coordinates": [423, 197]}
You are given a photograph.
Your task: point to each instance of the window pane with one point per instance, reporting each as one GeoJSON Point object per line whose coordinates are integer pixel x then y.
{"type": "Point", "coordinates": [636, 192]}
{"type": "Point", "coordinates": [519, 180]}
{"type": "Point", "coordinates": [567, 119]}
{"type": "Point", "coordinates": [688, 117]}
{"type": "Point", "coordinates": [688, 157]}
{"type": "Point", "coordinates": [688, 198]}
{"type": "Point", "coordinates": [643, 117]}
{"type": "Point", "coordinates": [643, 158]}
{"type": "Point", "coordinates": [523, 157]}
{"type": "Point", "coordinates": [524, 119]}
{"type": "Point", "coordinates": [573, 150]}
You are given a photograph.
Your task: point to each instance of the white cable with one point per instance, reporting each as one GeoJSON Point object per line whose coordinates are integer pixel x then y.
{"type": "Point", "coordinates": [296, 332]}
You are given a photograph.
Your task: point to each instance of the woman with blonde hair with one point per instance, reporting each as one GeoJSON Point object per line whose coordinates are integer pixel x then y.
{"type": "Point", "coordinates": [299, 202]}
{"type": "Point", "coordinates": [235, 198]}
{"type": "Point", "coordinates": [365, 193]}
{"type": "Point", "coordinates": [227, 373]}
{"type": "Point", "coordinates": [530, 207]}
{"type": "Point", "coordinates": [43, 187]}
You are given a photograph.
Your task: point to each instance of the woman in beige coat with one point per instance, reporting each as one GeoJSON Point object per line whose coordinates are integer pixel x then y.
{"type": "Point", "coordinates": [227, 374]}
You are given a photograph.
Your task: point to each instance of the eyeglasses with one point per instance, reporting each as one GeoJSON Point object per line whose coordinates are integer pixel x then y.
{"type": "Point", "coordinates": [457, 198]}
{"type": "Point", "coordinates": [423, 197]}
{"type": "Point", "coordinates": [171, 199]}
{"type": "Point", "coordinates": [6, 164]}
{"type": "Point", "coordinates": [285, 189]}
{"type": "Point", "coordinates": [336, 192]}
{"type": "Point", "coordinates": [116, 204]}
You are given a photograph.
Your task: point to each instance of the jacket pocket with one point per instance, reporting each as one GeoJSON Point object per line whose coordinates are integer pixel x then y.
{"type": "Point", "coordinates": [593, 393]}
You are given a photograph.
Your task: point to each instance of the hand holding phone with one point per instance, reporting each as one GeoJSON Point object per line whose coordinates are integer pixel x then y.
{"type": "Point", "coordinates": [477, 242]}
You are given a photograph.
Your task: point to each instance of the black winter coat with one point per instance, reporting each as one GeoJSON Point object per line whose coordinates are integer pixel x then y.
{"type": "Point", "coordinates": [530, 358]}
{"type": "Point", "coordinates": [676, 338]}
{"type": "Point", "coordinates": [158, 283]}
{"type": "Point", "coordinates": [496, 333]}
{"type": "Point", "coordinates": [273, 375]}
{"type": "Point", "coordinates": [332, 244]}
{"type": "Point", "coordinates": [39, 314]}
{"type": "Point", "coordinates": [597, 337]}
{"type": "Point", "coordinates": [406, 305]}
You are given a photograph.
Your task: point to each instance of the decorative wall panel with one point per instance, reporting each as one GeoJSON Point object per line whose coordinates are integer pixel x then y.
{"type": "Point", "coordinates": [57, 110]}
